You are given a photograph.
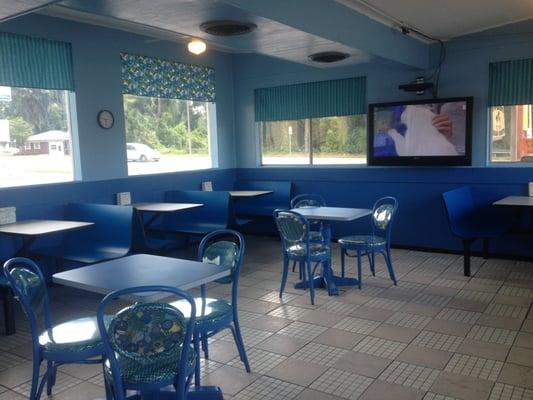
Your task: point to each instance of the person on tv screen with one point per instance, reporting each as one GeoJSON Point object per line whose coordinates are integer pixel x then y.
{"type": "Point", "coordinates": [436, 129]}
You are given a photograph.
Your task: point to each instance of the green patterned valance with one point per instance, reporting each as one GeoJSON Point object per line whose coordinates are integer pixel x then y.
{"type": "Point", "coordinates": [35, 63]}
{"type": "Point", "coordinates": [511, 82]}
{"type": "Point", "coordinates": [311, 100]}
{"type": "Point", "coordinates": [155, 77]}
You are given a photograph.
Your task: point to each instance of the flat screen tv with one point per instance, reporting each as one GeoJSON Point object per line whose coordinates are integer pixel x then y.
{"type": "Point", "coordinates": [422, 132]}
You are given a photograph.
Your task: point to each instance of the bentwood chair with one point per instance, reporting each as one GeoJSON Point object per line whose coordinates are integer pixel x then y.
{"type": "Point", "coordinates": [378, 241]}
{"type": "Point", "coordinates": [224, 247]}
{"type": "Point", "coordinates": [297, 246]}
{"type": "Point", "coordinates": [147, 347]}
{"type": "Point", "coordinates": [76, 341]}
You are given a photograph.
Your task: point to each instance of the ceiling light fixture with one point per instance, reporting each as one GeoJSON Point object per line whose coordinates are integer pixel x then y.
{"type": "Point", "coordinates": [196, 46]}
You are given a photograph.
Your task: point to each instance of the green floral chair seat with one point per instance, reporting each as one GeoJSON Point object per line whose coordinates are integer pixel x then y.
{"type": "Point", "coordinates": [73, 336]}
{"type": "Point", "coordinates": [134, 371]}
{"type": "Point", "coordinates": [366, 240]}
{"type": "Point", "coordinates": [316, 249]}
{"type": "Point", "coordinates": [208, 311]}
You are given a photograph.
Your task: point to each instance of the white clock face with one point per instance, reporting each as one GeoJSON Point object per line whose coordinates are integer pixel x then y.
{"type": "Point", "coordinates": [105, 119]}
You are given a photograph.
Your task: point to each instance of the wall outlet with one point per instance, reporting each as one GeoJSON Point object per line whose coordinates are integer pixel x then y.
{"type": "Point", "coordinates": [124, 198]}
{"type": "Point", "coordinates": [8, 215]}
{"type": "Point", "coordinates": [530, 189]}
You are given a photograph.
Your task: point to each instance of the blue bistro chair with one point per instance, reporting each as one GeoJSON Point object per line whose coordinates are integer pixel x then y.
{"type": "Point", "coordinates": [147, 346]}
{"type": "Point", "coordinates": [377, 242]}
{"type": "Point", "coordinates": [294, 230]}
{"type": "Point", "coordinates": [469, 223]}
{"type": "Point", "coordinates": [76, 341]}
{"type": "Point", "coordinates": [224, 247]}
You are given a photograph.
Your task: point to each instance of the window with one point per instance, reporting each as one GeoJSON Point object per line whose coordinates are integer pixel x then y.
{"type": "Point", "coordinates": [169, 111]}
{"type": "Point", "coordinates": [166, 135]}
{"type": "Point", "coordinates": [27, 114]}
{"type": "Point", "coordinates": [512, 133]}
{"type": "Point", "coordinates": [327, 140]}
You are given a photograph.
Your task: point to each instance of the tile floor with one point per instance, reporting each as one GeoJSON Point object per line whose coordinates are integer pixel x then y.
{"type": "Point", "coordinates": [435, 336]}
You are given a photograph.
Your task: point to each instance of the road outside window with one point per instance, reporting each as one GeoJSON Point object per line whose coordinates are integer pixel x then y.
{"type": "Point", "coordinates": [512, 133]}
{"type": "Point", "coordinates": [166, 135]}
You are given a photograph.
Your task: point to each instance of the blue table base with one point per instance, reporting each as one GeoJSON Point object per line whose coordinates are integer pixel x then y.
{"type": "Point", "coordinates": [328, 282]}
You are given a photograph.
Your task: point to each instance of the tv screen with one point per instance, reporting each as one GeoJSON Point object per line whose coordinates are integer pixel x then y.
{"type": "Point", "coordinates": [423, 132]}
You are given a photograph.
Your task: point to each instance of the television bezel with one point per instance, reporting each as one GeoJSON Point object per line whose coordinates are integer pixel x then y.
{"type": "Point", "coordinates": [459, 160]}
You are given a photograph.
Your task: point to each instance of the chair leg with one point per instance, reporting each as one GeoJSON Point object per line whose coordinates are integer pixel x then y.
{"type": "Point", "coordinates": [388, 260]}
{"type": "Point", "coordinates": [284, 276]}
{"type": "Point", "coordinates": [343, 255]}
{"type": "Point", "coordinates": [293, 266]}
{"type": "Point", "coordinates": [9, 311]}
{"type": "Point", "coordinates": [485, 248]}
{"type": "Point", "coordinates": [466, 256]}
{"type": "Point", "coordinates": [359, 269]}
{"type": "Point", "coordinates": [311, 282]}
{"type": "Point", "coordinates": [240, 343]}
{"type": "Point", "coordinates": [49, 377]}
{"type": "Point", "coordinates": [34, 391]}
{"type": "Point", "coordinates": [372, 262]}
{"type": "Point", "coordinates": [196, 344]}
{"type": "Point", "coordinates": [205, 347]}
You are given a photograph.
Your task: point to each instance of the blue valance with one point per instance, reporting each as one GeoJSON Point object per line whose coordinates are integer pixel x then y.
{"type": "Point", "coordinates": [511, 82]}
{"type": "Point", "coordinates": [155, 77]}
{"type": "Point", "coordinates": [35, 63]}
{"type": "Point", "coordinates": [311, 100]}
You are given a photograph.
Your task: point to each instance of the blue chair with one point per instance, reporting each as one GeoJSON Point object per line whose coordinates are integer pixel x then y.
{"type": "Point", "coordinates": [147, 346]}
{"type": "Point", "coordinates": [468, 222]}
{"type": "Point", "coordinates": [224, 247]}
{"type": "Point", "coordinates": [378, 241]}
{"type": "Point", "coordinates": [294, 230]}
{"type": "Point", "coordinates": [76, 341]}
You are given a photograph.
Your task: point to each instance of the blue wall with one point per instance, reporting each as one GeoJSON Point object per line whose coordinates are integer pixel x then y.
{"type": "Point", "coordinates": [422, 219]}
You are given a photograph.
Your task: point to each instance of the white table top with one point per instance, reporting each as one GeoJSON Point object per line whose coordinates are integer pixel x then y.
{"type": "Point", "coordinates": [165, 207]}
{"type": "Point", "coordinates": [141, 270]}
{"type": "Point", "coordinates": [249, 193]}
{"type": "Point", "coordinates": [332, 213]}
{"type": "Point", "coordinates": [37, 227]}
{"type": "Point", "coordinates": [523, 201]}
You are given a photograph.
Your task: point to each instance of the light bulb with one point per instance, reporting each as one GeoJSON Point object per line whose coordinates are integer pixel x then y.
{"type": "Point", "coordinates": [196, 46]}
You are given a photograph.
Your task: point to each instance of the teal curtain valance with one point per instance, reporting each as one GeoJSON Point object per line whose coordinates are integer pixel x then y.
{"type": "Point", "coordinates": [155, 77]}
{"type": "Point", "coordinates": [511, 82]}
{"type": "Point", "coordinates": [311, 100]}
{"type": "Point", "coordinates": [35, 63]}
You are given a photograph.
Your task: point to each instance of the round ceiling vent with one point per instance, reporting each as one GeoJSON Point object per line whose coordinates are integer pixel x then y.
{"type": "Point", "coordinates": [227, 28]}
{"type": "Point", "coordinates": [328, 57]}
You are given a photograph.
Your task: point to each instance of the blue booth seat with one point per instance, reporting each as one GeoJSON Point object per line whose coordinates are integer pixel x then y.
{"type": "Point", "coordinates": [110, 237]}
{"type": "Point", "coordinates": [470, 223]}
{"type": "Point", "coordinates": [215, 213]}
{"type": "Point", "coordinates": [263, 206]}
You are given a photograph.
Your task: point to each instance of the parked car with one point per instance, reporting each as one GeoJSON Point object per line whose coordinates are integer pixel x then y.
{"type": "Point", "coordinates": [141, 152]}
{"type": "Point", "coordinates": [9, 150]}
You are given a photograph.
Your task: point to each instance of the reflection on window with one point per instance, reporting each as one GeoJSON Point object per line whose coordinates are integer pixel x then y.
{"type": "Point", "coordinates": [166, 135]}
{"type": "Point", "coordinates": [328, 140]}
{"type": "Point", "coordinates": [35, 139]}
{"type": "Point", "coordinates": [511, 133]}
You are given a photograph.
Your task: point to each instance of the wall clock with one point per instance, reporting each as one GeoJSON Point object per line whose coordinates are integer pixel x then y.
{"type": "Point", "coordinates": [105, 119]}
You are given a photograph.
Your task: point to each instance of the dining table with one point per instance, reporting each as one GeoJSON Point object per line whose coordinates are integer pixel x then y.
{"type": "Point", "coordinates": [141, 270]}
{"type": "Point", "coordinates": [328, 280]}
{"type": "Point", "coordinates": [160, 208]}
{"type": "Point", "coordinates": [249, 193]}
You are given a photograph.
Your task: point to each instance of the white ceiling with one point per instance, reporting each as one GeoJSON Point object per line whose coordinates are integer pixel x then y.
{"type": "Point", "coordinates": [446, 19]}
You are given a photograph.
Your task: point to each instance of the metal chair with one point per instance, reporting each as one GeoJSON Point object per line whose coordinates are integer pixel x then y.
{"type": "Point", "coordinates": [147, 346]}
{"type": "Point", "coordinates": [76, 341]}
{"type": "Point", "coordinates": [294, 231]}
{"type": "Point", "coordinates": [224, 247]}
{"type": "Point", "coordinates": [9, 308]}
{"type": "Point", "coordinates": [378, 241]}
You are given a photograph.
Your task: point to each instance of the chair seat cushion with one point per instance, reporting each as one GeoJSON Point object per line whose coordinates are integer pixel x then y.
{"type": "Point", "coordinates": [316, 249]}
{"type": "Point", "coordinates": [362, 241]}
{"type": "Point", "coordinates": [79, 335]}
{"type": "Point", "coordinates": [135, 372]}
{"type": "Point", "coordinates": [210, 311]}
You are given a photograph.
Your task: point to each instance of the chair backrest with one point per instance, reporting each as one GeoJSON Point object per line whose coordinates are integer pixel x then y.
{"type": "Point", "coordinates": [308, 200]}
{"type": "Point", "coordinates": [459, 206]}
{"type": "Point", "coordinates": [293, 228]}
{"type": "Point", "coordinates": [29, 286]}
{"type": "Point", "coordinates": [382, 216]}
{"type": "Point", "coordinates": [147, 334]}
{"type": "Point", "coordinates": [224, 247]}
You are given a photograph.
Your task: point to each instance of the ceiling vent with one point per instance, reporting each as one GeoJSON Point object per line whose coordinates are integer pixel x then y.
{"type": "Point", "coordinates": [328, 57]}
{"type": "Point", "coordinates": [227, 28]}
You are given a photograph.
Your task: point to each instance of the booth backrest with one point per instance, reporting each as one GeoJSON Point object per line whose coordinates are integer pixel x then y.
{"type": "Point", "coordinates": [265, 205]}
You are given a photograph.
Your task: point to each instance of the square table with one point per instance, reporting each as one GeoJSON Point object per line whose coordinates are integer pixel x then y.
{"type": "Point", "coordinates": [328, 279]}
{"type": "Point", "coordinates": [518, 201]}
{"type": "Point", "coordinates": [162, 208]}
{"type": "Point", "coordinates": [141, 270]}
{"type": "Point", "coordinates": [249, 193]}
